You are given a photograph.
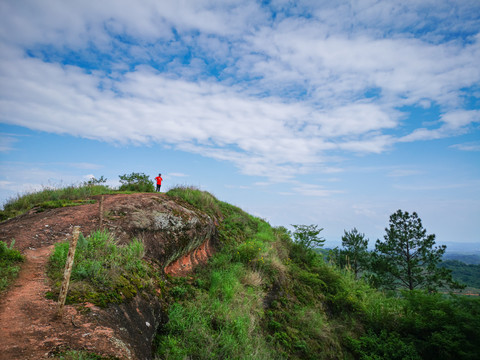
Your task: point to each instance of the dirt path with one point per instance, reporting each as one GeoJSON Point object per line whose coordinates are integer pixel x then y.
{"type": "Point", "coordinates": [27, 319]}
{"type": "Point", "coordinates": [29, 325]}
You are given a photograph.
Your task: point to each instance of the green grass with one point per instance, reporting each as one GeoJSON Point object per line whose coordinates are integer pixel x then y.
{"type": "Point", "coordinates": [243, 304]}
{"type": "Point", "coordinates": [200, 199]}
{"type": "Point", "coordinates": [10, 260]}
{"type": "Point", "coordinates": [51, 198]}
{"type": "Point", "coordinates": [103, 271]}
{"type": "Point", "coordinates": [263, 295]}
{"type": "Point", "coordinates": [81, 355]}
{"type": "Point", "coordinates": [217, 318]}
{"type": "Point", "coordinates": [216, 315]}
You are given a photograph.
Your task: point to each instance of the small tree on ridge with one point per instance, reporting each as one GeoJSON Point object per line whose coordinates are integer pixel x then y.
{"type": "Point", "coordinates": [354, 253]}
{"type": "Point", "coordinates": [308, 236]}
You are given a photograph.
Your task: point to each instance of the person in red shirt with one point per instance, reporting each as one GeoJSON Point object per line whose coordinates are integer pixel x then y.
{"type": "Point", "coordinates": [159, 182]}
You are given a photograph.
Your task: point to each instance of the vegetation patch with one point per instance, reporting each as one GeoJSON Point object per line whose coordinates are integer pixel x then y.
{"type": "Point", "coordinates": [136, 182]}
{"type": "Point", "coordinates": [52, 198]}
{"type": "Point", "coordinates": [103, 271]}
{"type": "Point", "coordinates": [199, 199]}
{"type": "Point", "coordinates": [53, 204]}
{"type": "Point", "coordinates": [269, 294]}
{"type": "Point", "coordinates": [10, 260]}
{"type": "Point", "coordinates": [72, 195]}
{"type": "Point", "coordinates": [468, 274]}
{"type": "Point", "coordinates": [80, 355]}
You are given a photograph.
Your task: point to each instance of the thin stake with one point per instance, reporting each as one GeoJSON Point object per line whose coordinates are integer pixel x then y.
{"type": "Point", "coordinates": [101, 213]}
{"type": "Point", "coordinates": [68, 270]}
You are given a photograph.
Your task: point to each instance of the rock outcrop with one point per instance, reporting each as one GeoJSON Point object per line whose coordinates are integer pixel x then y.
{"type": "Point", "coordinates": [169, 229]}
{"type": "Point", "coordinates": [176, 237]}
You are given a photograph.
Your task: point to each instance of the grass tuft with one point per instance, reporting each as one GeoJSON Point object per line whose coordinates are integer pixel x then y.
{"type": "Point", "coordinates": [103, 271]}
{"type": "Point", "coordinates": [80, 355]}
{"type": "Point", "coordinates": [10, 260]}
{"type": "Point", "coordinates": [51, 198]}
{"type": "Point", "coordinates": [200, 199]}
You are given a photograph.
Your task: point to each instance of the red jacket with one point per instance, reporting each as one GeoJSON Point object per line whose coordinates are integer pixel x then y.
{"type": "Point", "coordinates": [159, 180]}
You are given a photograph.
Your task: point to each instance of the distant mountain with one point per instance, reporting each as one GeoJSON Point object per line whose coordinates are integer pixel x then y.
{"type": "Point", "coordinates": [467, 258]}
{"type": "Point", "coordinates": [467, 274]}
{"type": "Point", "coordinates": [462, 247]}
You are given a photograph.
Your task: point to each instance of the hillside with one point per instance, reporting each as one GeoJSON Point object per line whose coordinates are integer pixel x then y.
{"type": "Point", "coordinates": [470, 259]}
{"type": "Point", "coordinates": [194, 277]}
{"type": "Point", "coordinates": [467, 274]}
{"type": "Point", "coordinates": [168, 231]}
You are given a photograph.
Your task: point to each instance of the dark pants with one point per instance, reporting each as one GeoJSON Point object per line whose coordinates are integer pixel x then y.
{"type": "Point", "coordinates": [158, 187]}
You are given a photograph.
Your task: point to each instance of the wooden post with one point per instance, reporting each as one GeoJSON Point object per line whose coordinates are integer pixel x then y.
{"type": "Point", "coordinates": [101, 212]}
{"type": "Point", "coordinates": [68, 270]}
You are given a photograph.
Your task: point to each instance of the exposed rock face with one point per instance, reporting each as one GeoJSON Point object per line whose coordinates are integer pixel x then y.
{"type": "Point", "coordinates": [169, 229]}
{"type": "Point", "coordinates": [176, 236]}
{"type": "Point", "coordinates": [134, 325]}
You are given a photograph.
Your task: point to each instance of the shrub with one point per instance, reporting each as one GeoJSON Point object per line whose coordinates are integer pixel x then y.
{"type": "Point", "coordinates": [138, 182]}
{"type": "Point", "coordinates": [308, 236]}
{"type": "Point", "coordinates": [249, 251]}
{"type": "Point", "coordinates": [94, 181]}
{"type": "Point", "coordinates": [9, 260]}
{"type": "Point", "coordinates": [386, 345]}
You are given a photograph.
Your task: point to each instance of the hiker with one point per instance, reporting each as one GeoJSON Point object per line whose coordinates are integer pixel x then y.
{"type": "Point", "coordinates": [159, 182]}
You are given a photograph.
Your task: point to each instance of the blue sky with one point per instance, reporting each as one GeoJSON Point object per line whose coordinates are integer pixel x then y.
{"type": "Point", "coordinates": [310, 112]}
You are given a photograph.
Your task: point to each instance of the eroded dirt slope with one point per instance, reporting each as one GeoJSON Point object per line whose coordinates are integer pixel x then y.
{"type": "Point", "coordinates": [173, 234]}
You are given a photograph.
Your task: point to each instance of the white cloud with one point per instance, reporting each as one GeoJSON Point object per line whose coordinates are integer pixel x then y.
{"type": "Point", "coordinates": [85, 166]}
{"type": "Point", "coordinates": [275, 96]}
{"type": "Point", "coordinates": [452, 123]}
{"type": "Point", "coordinates": [403, 173]}
{"type": "Point", "coordinates": [435, 187]}
{"type": "Point", "coordinates": [6, 143]}
{"type": "Point", "coordinates": [177, 175]}
{"type": "Point", "coordinates": [470, 146]}
{"type": "Point", "coordinates": [313, 190]}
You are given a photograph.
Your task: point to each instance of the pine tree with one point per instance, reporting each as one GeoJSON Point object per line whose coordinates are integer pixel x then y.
{"type": "Point", "coordinates": [354, 251]}
{"type": "Point", "coordinates": [407, 259]}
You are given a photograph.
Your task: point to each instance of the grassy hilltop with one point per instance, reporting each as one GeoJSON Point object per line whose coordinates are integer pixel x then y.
{"type": "Point", "coordinates": [265, 296]}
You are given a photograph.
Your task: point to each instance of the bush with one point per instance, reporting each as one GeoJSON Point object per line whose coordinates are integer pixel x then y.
{"type": "Point", "coordinates": [138, 182]}
{"type": "Point", "coordinates": [9, 260]}
{"type": "Point", "coordinates": [249, 251]}
{"type": "Point", "coordinates": [384, 346]}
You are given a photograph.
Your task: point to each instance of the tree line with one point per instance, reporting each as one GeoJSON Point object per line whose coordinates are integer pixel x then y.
{"type": "Point", "coordinates": [406, 259]}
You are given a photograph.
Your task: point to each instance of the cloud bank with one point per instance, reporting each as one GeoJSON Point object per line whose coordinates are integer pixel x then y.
{"type": "Point", "coordinates": [276, 89]}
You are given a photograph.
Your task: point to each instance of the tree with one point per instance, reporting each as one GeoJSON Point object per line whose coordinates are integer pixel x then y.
{"type": "Point", "coordinates": [408, 259]}
{"type": "Point", "coordinates": [354, 253]}
{"type": "Point", "coordinates": [136, 182]}
{"type": "Point", "coordinates": [94, 181]}
{"type": "Point", "coordinates": [308, 236]}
